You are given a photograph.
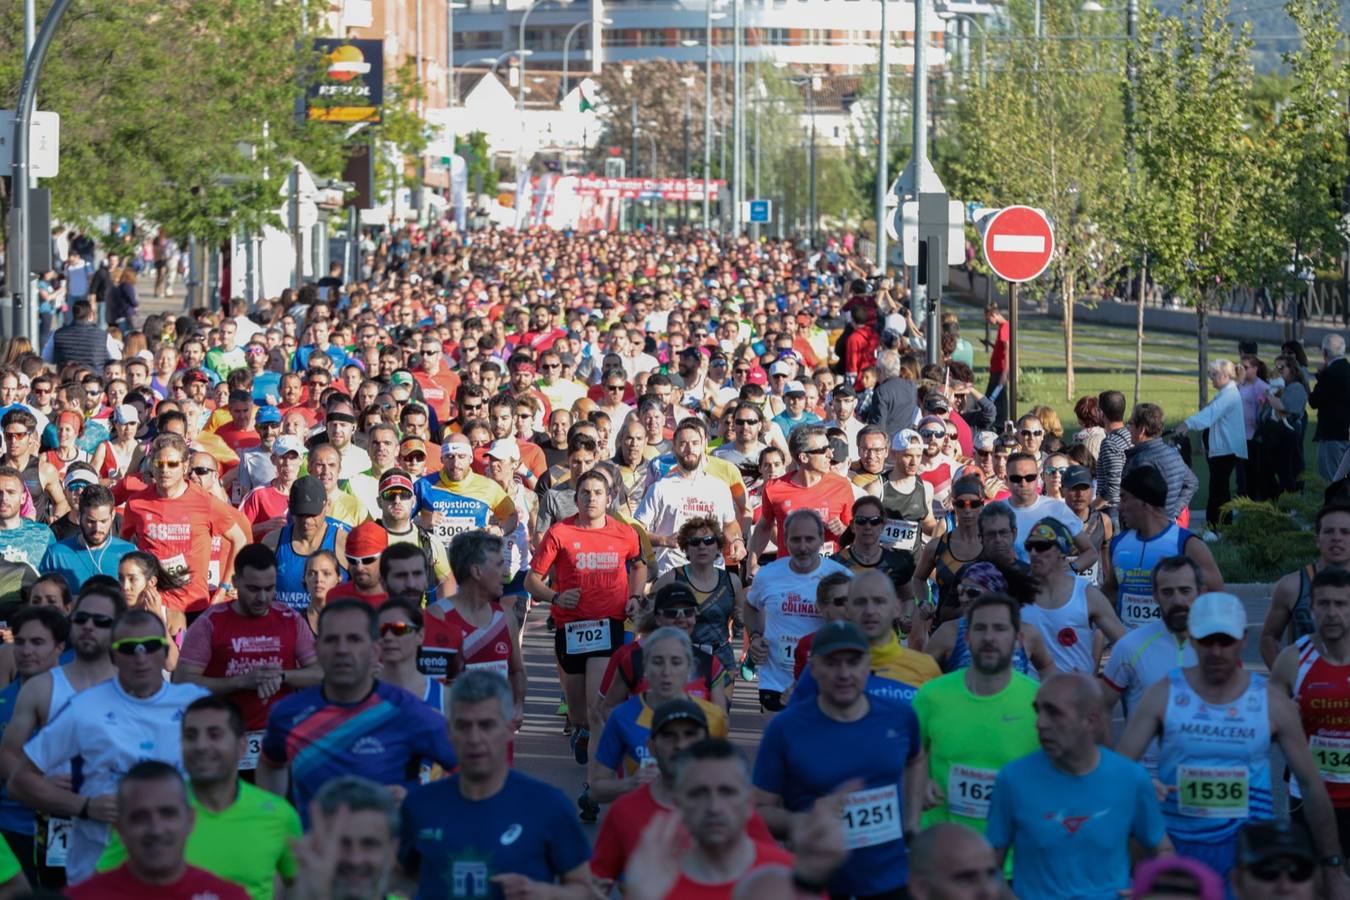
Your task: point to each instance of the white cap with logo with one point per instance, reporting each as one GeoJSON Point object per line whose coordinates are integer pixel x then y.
{"type": "Point", "coordinates": [1217, 613]}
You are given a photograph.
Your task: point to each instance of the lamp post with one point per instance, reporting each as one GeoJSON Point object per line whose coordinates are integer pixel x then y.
{"type": "Point", "coordinates": [738, 146]}
{"type": "Point", "coordinates": [451, 95]}
{"type": "Point", "coordinates": [520, 93]}
{"type": "Point", "coordinates": [883, 152]}
{"type": "Point", "coordinates": [567, 41]}
{"type": "Point", "coordinates": [812, 84]}
{"type": "Point", "coordinates": [495, 61]}
{"type": "Point", "coordinates": [707, 106]}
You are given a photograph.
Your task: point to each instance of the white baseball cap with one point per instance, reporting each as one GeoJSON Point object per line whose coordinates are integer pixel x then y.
{"type": "Point", "coordinates": [793, 387]}
{"type": "Point", "coordinates": [1217, 613]}
{"type": "Point", "coordinates": [505, 448]}
{"type": "Point", "coordinates": [288, 443]}
{"type": "Point", "coordinates": [780, 368]}
{"type": "Point", "coordinates": [906, 438]}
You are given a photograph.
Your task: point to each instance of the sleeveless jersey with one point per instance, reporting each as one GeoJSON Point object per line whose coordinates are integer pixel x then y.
{"type": "Point", "coordinates": [1322, 690]}
{"type": "Point", "coordinates": [488, 647]}
{"type": "Point", "coordinates": [1067, 630]}
{"type": "Point", "coordinates": [1215, 761]}
{"type": "Point", "coordinates": [1095, 529]}
{"type": "Point", "coordinates": [1133, 558]}
{"type": "Point", "coordinates": [946, 565]}
{"type": "Point", "coordinates": [960, 658]}
{"type": "Point", "coordinates": [60, 465]}
{"type": "Point", "coordinates": [32, 480]}
{"type": "Point", "coordinates": [291, 588]}
{"type": "Point", "coordinates": [904, 513]}
{"type": "Point", "coordinates": [715, 609]}
{"type": "Point", "coordinates": [1301, 621]}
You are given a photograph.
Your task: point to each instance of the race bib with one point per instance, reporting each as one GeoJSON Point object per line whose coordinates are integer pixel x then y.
{"type": "Point", "coordinates": [175, 565]}
{"type": "Point", "coordinates": [787, 649]}
{"type": "Point", "coordinates": [589, 636]}
{"type": "Point", "coordinates": [872, 817]}
{"type": "Point", "coordinates": [58, 842]}
{"type": "Point", "coordinates": [901, 534]}
{"type": "Point", "coordinates": [1333, 757]}
{"type": "Point", "coordinates": [500, 666]}
{"type": "Point", "coordinates": [449, 526]}
{"type": "Point", "coordinates": [1138, 609]}
{"type": "Point", "coordinates": [249, 761]}
{"type": "Point", "coordinates": [969, 790]}
{"type": "Point", "coordinates": [213, 574]}
{"type": "Point", "coordinates": [1212, 792]}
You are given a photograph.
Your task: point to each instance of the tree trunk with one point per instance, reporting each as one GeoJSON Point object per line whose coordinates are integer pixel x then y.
{"type": "Point", "coordinates": [1068, 297]}
{"type": "Point", "coordinates": [1202, 334]}
{"type": "Point", "coordinates": [1139, 330]}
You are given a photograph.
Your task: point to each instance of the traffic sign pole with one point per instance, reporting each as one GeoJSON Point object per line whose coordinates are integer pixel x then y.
{"type": "Point", "coordinates": [1012, 350]}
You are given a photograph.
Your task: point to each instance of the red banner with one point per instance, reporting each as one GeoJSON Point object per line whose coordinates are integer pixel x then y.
{"type": "Point", "coordinates": [646, 188]}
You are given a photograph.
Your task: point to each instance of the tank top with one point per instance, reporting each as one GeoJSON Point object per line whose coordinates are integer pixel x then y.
{"type": "Point", "coordinates": [434, 695]}
{"type": "Point", "coordinates": [115, 462]}
{"type": "Point", "coordinates": [1134, 559]}
{"type": "Point", "coordinates": [488, 647]}
{"type": "Point", "coordinates": [60, 465]}
{"type": "Point", "coordinates": [1067, 630]}
{"type": "Point", "coordinates": [959, 658]}
{"type": "Point", "coordinates": [518, 541]}
{"type": "Point", "coordinates": [1301, 620]}
{"type": "Point", "coordinates": [904, 513]}
{"type": "Point", "coordinates": [291, 588]}
{"type": "Point", "coordinates": [715, 609]}
{"type": "Point", "coordinates": [946, 565]}
{"type": "Point", "coordinates": [62, 691]}
{"type": "Point", "coordinates": [1215, 760]}
{"type": "Point", "coordinates": [1322, 690]}
{"type": "Point", "coordinates": [1095, 529]}
{"type": "Point", "coordinates": [32, 480]}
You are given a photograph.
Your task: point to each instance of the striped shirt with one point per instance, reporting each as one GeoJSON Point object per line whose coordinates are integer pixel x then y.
{"type": "Point", "coordinates": [1181, 481]}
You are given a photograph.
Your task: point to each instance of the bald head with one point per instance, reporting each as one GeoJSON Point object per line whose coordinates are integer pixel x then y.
{"type": "Point", "coordinates": [952, 862]}
{"type": "Point", "coordinates": [1070, 720]}
{"type": "Point", "coordinates": [1075, 690]}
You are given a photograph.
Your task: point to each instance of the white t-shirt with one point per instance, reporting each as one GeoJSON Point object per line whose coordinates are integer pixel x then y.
{"type": "Point", "coordinates": [1044, 507]}
{"type": "Point", "coordinates": [676, 499]}
{"type": "Point", "coordinates": [788, 601]}
{"type": "Point", "coordinates": [109, 731]}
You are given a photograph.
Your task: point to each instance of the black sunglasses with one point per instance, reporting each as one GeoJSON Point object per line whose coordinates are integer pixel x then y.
{"type": "Point", "coordinates": [679, 612]}
{"type": "Point", "coordinates": [1269, 870]}
{"type": "Point", "coordinates": [870, 521]}
{"type": "Point", "coordinates": [817, 451]}
{"type": "Point", "coordinates": [1040, 546]}
{"type": "Point", "coordinates": [99, 620]}
{"type": "Point", "coordinates": [705, 541]}
{"type": "Point", "coordinates": [1021, 479]}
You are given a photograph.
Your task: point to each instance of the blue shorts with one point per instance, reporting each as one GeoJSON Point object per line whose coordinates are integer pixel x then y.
{"type": "Point", "coordinates": [1219, 857]}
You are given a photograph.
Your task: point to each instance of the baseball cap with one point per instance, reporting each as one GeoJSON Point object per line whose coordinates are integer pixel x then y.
{"type": "Point", "coordinates": [681, 709]}
{"type": "Point", "coordinates": [836, 636]}
{"type": "Point", "coordinates": [1261, 841]}
{"type": "Point", "coordinates": [412, 445]}
{"type": "Point", "coordinates": [288, 443]}
{"type": "Point", "coordinates": [1052, 530]}
{"type": "Point", "coordinates": [780, 368]}
{"type": "Point", "coordinates": [308, 496]}
{"type": "Point", "coordinates": [793, 387]}
{"type": "Point", "coordinates": [79, 472]}
{"type": "Point", "coordinates": [1217, 613]}
{"type": "Point", "coordinates": [1077, 476]}
{"type": "Point", "coordinates": [396, 480]}
{"type": "Point", "coordinates": [505, 448]}
{"type": "Point", "coordinates": [126, 414]}
{"type": "Point", "coordinates": [844, 390]}
{"type": "Point", "coordinates": [936, 401]}
{"type": "Point", "coordinates": [933, 420]}
{"type": "Point", "coordinates": [401, 379]}
{"type": "Point", "coordinates": [905, 438]}
{"type": "Point", "coordinates": [757, 376]}
{"type": "Point", "coordinates": [968, 484]}
{"type": "Point", "coordinates": [267, 415]}
{"type": "Point", "coordinates": [984, 441]}
{"type": "Point", "coordinates": [674, 594]}
{"type": "Point", "coordinates": [367, 539]}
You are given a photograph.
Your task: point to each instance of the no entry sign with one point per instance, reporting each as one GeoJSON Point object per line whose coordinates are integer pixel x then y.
{"type": "Point", "coordinates": [1018, 243]}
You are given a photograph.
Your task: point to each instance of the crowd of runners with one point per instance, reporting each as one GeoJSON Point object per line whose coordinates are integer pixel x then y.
{"type": "Point", "coordinates": [825, 619]}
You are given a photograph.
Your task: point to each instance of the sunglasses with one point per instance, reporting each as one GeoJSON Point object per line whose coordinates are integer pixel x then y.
{"type": "Point", "coordinates": [133, 646]}
{"type": "Point", "coordinates": [1020, 479]}
{"type": "Point", "coordinates": [869, 521]}
{"type": "Point", "coordinates": [967, 504]}
{"type": "Point", "coordinates": [99, 620]}
{"type": "Point", "coordinates": [679, 612]}
{"type": "Point", "coordinates": [550, 367]}
{"type": "Point", "coordinates": [817, 451]}
{"type": "Point", "coordinates": [168, 464]}
{"type": "Point", "coordinates": [705, 541]}
{"type": "Point", "coordinates": [1056, 470]}
{"type": "Point", "coordinates": [747, 421]}
{"type": "Point", "coordinates": [470, 408]}
{"type": "Point", "coordinates": [397, 629]}
{"type": "Point", "coordinates": [16, 435]}
{"type": "Point", "coordinates": [1297, 870]}
{"type": "Point", "coordinates": [740, 371]}
{"type": "Point", "coordinates": [202, 471]}
{"type": "Point", "coordinates": [1041, 546]}
{"type": "Point", "coordinates": [971, 592]}
{"type": "Point", "coordinates": [364, 560]}
{"type": "Point", "coordinates": [930, 435]}
{"type": "Point", "coordinates": [396, 495]}
{"type": "Point", "coordinates": [415, 456]}
{"type": "Point", "coordinates": [838, 602]}
{"type": "Point", "coordinates": [615, 387]}
{"type": "Point", "coordinates": [1027, 432]}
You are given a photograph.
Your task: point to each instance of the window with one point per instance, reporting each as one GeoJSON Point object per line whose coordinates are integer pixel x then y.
{"type": "Point", "coordinates": [477, 40]}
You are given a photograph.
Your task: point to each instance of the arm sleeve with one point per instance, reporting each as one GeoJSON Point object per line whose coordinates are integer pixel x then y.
{"type": "Point", "coordinates": [544, 556]}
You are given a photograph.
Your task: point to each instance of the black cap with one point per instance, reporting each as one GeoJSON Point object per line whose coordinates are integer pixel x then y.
{"type": "Point", "coordinates": [835, 636]}
{"type": "Point", "coordinates": [1266, 840]}
{"type": "Point", "coordinates": [308, 496]}
{"type": "Point", "coordinates": [674, 594]}
{"type": "Point", "coordinates": [844, 390]}
{"type": "Point", "coordinates": [1077, 476]}
{"type": "Point", "coordinates": [936, 401]}
{"type": "Point", "coordinates": [681, 709]}
{"type": "Point", "coordinates": [1146, 484]}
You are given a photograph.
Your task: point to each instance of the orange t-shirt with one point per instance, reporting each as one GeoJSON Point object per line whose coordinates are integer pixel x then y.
{"type": "Point", "coordinates": [178, 533]}
{"type": "Point", "coordinates": [592, 559]}
{"type": "Point", "coordinates": [831, 496]}
{"type": "Point", "coordinates": [439, 390]}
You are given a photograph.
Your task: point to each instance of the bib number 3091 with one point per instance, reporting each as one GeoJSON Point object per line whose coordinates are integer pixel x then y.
{"type": "Point", "coordinates": [872, 817]}
{"type": "Point", "coordinates": [590, 636]}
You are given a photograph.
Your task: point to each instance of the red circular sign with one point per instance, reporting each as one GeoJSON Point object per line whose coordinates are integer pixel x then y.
{"type": "Point", "coordinates": [1018, 243]}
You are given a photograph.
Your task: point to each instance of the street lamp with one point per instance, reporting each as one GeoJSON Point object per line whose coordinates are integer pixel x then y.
{"type": "Point", "coordinates": [567, 42]}
{"type": "Point", "coordinates": [520, 93]}
{"type": "Point", "coordinates": [450, 8]}
{"type": "Point", "coordinates": [812, 84]}
{"type": "Point", "coordinates": [947, 16]}
{"type": "Point", "coordinates": [495, 61]}
{"type": "Point", "coordinates": [707, 106]}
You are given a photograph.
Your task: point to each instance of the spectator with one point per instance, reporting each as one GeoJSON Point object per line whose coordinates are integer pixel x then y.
{"type": "Point", "coordinates": [1227, 436]}
{"type": "Point", "coordinates": [1331, 398]}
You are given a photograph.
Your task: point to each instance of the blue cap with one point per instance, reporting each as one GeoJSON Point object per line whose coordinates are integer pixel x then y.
{"type": "Point", "coordinates": [266, 415]}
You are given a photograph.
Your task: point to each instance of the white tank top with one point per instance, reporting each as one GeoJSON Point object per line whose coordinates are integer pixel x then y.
{"type": "Point", "coordinates": [1067, 630]}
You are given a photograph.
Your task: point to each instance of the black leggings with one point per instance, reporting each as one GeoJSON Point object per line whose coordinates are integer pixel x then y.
{"type": "Point", "coordinates": [1220, 486]}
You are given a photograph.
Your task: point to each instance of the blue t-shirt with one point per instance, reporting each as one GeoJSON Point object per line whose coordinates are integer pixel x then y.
{"type": "Point", "coordinates": [302, 354]}
{"type": "Point", "coordinates": [26, 544]}
{"type": "Point", "coordinates": [77, 563]}
{"type": "Point", "coordinates": [456, 845]}
{"type": "Point", "coordinates": [1069, 833]}
{"type": "Point", "coordinates": [805, 755]}
{"type": "Point", "coordinates": [384, 737]}
{"type": "Point", "coordinates": [787, 423]}
{"type": "Point", "coordinates": [265, 383]}
{"type": "Point", "coordinates": [877, 686]}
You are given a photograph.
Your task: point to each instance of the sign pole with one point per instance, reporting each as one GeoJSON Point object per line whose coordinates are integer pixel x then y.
{"type": "Point", "coordinates": [1012, 350]}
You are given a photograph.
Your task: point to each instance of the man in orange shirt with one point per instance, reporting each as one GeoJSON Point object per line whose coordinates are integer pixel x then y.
{"type": "Point", "coordinates": [813, 486]}
{"type": "Point", "coordinates": [439, 384]}
{"type": "Point", "coordinates": [174, 521]}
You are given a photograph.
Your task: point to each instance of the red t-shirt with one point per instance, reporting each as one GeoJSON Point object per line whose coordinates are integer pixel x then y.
{"type": "Point", "coordinates": [998, 357]}
{"type": "Point", "coordinates": [532, 456]}
{"type": "Point", "coordinates": [592, 559]}
{"type": "Point", "coordinates": [238, 439]}
{"type": "Point", "coordinates": [623, 825]}
{"type": "Point", "coordinates": [121, 884]}
{"type": "Point", "coordinates": [311, 415]}
{"type": "Point", "coordinates": [831, 496]}
{"type": "Point", "coordinates": [264, 503]}
{"type": "Point", "coordinates": [801, 656]}
{"type": "Point", "coordinates": [488, 647]}
{"type": "Point", "coordinates": [766, 854]}
{"type": "Point", "coordinates": [178, 533]}
{"type": "Point", "coordinates": [225, 643]}
{"type": "Point", "coordinates": [218, 547]}
{"type": "Point", "coordinates": [860, 350]}
{"type": "Point", "coordinates": [439, 390]}
{"type": "Point", "coordinates": [347, 591]}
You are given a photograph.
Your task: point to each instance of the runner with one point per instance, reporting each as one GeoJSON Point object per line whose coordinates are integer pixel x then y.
{"type": "Point", "coordinates": [94, 550]}
{"type": "Point", "coordinates": [306, 533]}
{"type": "Point", "coordinates": [1291, 602]}
{"type": "Point", "coordinates": [397, 502]}
{"type": "Point", "coordinates": [811, 487]}
{"type": "Point", "coordinates": [458, 499]}
{"type": "Point", "coordinates": [364, 547]}
{"type": "Point", "coordinates": [950, 643]}
{"type": "Point", "coordinates": [1067, 608]}
{"type": "Point", "coordinates": [943, 558]}
{"type": "Point", "coordinates": [1218, 778]}
{"type": "Point", "coordinates": [868, 553]}
{"type": "Point", "coordinates": [266, 506]}
{"type": "Point", "coordinates": [1030, 508]}
{"type": "Point", "coordinates": [953, 862]}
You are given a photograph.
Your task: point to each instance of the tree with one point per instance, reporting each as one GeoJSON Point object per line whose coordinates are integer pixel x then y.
{"type": "Point", "coordinates": [1199, 173]}
{"type": "Point", "coordinates": [660, 92]}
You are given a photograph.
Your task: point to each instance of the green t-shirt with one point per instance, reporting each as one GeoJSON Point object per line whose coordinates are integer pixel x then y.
{"type": "Point", "coordinates": [9, 863]}
{"type": "Point", "coordinates": [258, 821]}
{"type": "Point", "coordinates": [969, 738]}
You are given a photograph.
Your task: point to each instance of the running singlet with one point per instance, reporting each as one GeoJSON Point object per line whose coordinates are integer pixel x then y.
{"type": "Point", "coordinates": [1215, 761]}
{"type": "Point", "coordinates": [1323, 693]}
{"type": "Point", "coordinates": [178, 533]}
{"type": "Point", "coordinates": [904, 514]}
{"type": "Point", "coordinates": [831, 497]}
{"type": "Point", "coordinates": [1067, 630]}
{"type": "Point", "coordinates": [595, 560]}
{"type": "Point", "coordinates": [1139, 660]}
{"type": "Point", "coordinates": [465, 505]}
{"type": "Point", "coordinates": [787, 600]}
{"type": "Point", "coordinates": [291, 588]}
{"type": "Point", "coordinates": [1134, 558]}
{"type": "Point", "coordinates": [487, 648]}
{"type": "Point", "coordinates": [715, 610]}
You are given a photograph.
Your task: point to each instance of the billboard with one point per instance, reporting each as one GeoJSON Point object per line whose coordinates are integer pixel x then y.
{"type": "Point", "coordinates": [351, 86]}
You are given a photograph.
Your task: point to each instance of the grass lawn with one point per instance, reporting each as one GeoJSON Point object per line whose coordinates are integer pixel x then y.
{"type": "Point", "coordinates": [1104, 360]}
